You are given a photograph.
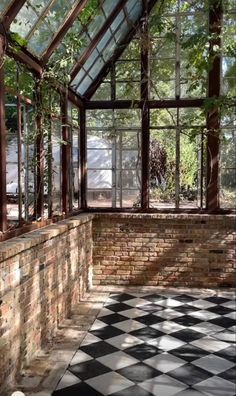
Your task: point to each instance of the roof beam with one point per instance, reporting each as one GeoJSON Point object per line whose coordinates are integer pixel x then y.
{"type": "Point", "coordinates": [134, 104]}
{"type": "Point", "coordinates": [63, 30]}
{"type": "Point", "coordinates": [12, 12]}
{"type": "Point", "coordinates": [97, 38]}
{"type": "Point", "coordinates": [89, 93]}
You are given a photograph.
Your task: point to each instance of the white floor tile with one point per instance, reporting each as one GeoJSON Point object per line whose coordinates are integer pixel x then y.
{"type": "Point", "coordinates": [216, 386]}
{"type": "Point", "coordinates": [68, 379]}
{"type": "Point", "coordinates": [129, 325]}
{"type": "Point", "coordinates": [166, 342]}
{"type": "Point", "coordinates": [163, 386]}
{"type": "Point", "coordinates": [98, 324]}
{"type": "Point", "coordinates": [230, 304]}
{"type": "Point", "coordinates": [165, 362]}
{"type": "Point", "coordinates": [201, 304]}
{"type": "Point", "coordinates": [124, 341]}
{"type": "Point", "coordinates": [204, 315]}
{"type": "Point", "coordinates": [137, 302]}
{"type": "Point", "coordinates": [104, 312]}
{"type": "Point", "coordinates": [213, 363]}
{"type": "Point", "coordinates": [169, 314]}
{"type": "Point", "coordinates": [210, 344]}
{"type": "Point", "coordinates": [170, 303]}
{"type": "Point", "coordinates": [168, 327]}
{"type": "Point", "coordinates": [90, 339]}
{"type": "Point", "coordinates": [117, 360]}
{"type": "Point", "coordinates": [207, 328]}
{"type": "Point", "coordinates": [80, 357]}
{"type": "Point", "coordinates": [231, 315]}
{"type": "Point", "coordinates": [109, 383]}
{"type": "Point", "coordinates": [133, 313]}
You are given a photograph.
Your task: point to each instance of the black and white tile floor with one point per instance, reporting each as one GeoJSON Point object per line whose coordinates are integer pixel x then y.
{"type": "Point", "coordinates": [157, 345]}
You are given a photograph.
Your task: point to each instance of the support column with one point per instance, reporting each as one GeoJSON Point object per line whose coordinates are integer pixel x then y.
{"type": "Point", "coordinates": [66, 163]}
{"type": "Point", "coordinates": [39, 201]}
{"type": "Point", "coordinates": [213, 118]}
{"type": "Point", "coordinates": [83, 162]}
{"type": "Point", "coordinates": [145, 110]}
{"type": "Point", "coordinates": [3, 196]}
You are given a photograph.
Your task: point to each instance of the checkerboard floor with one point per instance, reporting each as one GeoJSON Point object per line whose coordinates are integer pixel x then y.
{"type": "Point", "coordinates": [157, 345]}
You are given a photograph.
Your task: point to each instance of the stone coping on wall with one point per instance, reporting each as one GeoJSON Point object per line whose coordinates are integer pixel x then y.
{"type": "Point", "coordinates": [26, 241]}
{"type": "Point", "coordinates": [14, 246]}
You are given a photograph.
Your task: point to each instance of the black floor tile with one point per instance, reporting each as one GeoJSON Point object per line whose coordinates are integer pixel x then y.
{"type": "Point", "coordinates": [186, 320]}
{"type": "Point", "coordinates": [217, 300]}
{"type": "Point", "coordinates": [77, 390]}
{"type": "Point", "coordinates": [98, 349]}
{"type": "Point", "coordinates": [121, 296]}
{"type": "Point", "coordinates": [89, 369]}
{"type": "Point", "coordinates": [186, 309]}
{"type": "Point", "coordinates": [139, 372]}
{"type": "Point", "coordinates": [118, 307]}
{"type": "Point", "coordinates": [229, 375]}
{"type": "Point", "coordinates": [107, 332]}
{"type": "Point", "coordinates": [220, 310]}
{"type": "Point", "coordinates": [133, 391]}
{"type": "Point", "coordinates": [187, 335]}
{"type": "Point", "coordinates": [185, 298]}
{"type": "Point", "coordinates": [189, 374]}
{"type": "Point", "coordinates": [223, 321]}
{"type": "Point", "coordinates": [154, 298]}
{"type": "Point", "coordinates": [228, 353]}
{"type": "Point", "coordinates": [150, 319]}
{"type": "Point", "coordinates": [112, 318]}
{"type": "Point", "coordinates": [146, 333]}
{"type": "Point", "coordinates": [143, 351]}
{"type": "Point", "coordinates": [189, 352]}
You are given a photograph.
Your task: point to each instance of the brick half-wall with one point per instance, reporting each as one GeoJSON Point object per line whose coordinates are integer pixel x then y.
{"type": "Point", "coordinates": [164, 249]}
{"type": "Point", "coordinates": [43, 275]}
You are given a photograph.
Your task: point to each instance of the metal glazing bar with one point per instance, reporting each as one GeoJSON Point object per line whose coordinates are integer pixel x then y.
{"type": "Point", "coordinates": [83, 164]}
{"type": "Point", "coordinates": [12, 12]}
{"type": "Point", "coordinates": [39, 202]}
{"type": "Point", "coordinates": [65, 155]}
{"type": "Point", "coordinates": [213, 118]}
{"type": "Point", "coordinates": [3, 196]}
{"type": "Point", "coordinates": [97, 38]}
{"type": "Point", "coordinates": [63, 30]}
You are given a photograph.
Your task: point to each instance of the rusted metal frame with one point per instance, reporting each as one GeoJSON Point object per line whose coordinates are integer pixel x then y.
{"type": "Point", "coordinates": [66, 157]}
{"type": "Point", "coordinates": [3, 194]}
{"type": "Point", "coordinates": [19, 151]}
{"type": "Point", "coordinates": [97, 38]}
{"type": "Point", "coordinates": [41, 17]}
{"type": "Point", "coordinates": [26, 58]}
{"type": "Point", "coordinates": [118, 52]}
{"type": "Point", "coordinates": [152, 104]}
{"type": "Point", "coordinates": [83, 159]}
{"type": "Point", "coordinates": [63, 30]}
{"type": "Point", "coordinates": [213, 117]}
{"type": "Point", "coordinates": [12, 12]}
{"type": "Point", "coordinates": [144, 93]}
{"type": "Point", "coordinates": [39, 201]}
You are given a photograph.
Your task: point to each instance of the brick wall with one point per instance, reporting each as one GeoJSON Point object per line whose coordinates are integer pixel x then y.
{"type": "Point", "coordinates": [164, 249]}
{"type": "Point", "coordinates": [44, 273]}
{"type": "Point", "coordinates": [42, 276]}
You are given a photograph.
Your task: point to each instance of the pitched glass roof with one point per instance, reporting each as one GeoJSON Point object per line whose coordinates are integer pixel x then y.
{"type": "Point", "coordinates": [39, 20]}
{"type": "Point", "coordinates": [106, 46]}
{"type": "Point", "coordinates": [4, 5]}
{"type": "Point", "coordinates": [99, 30]}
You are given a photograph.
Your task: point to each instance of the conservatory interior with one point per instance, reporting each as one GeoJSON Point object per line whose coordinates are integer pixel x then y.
{"type": "Point", "coordinates": [117, 197]}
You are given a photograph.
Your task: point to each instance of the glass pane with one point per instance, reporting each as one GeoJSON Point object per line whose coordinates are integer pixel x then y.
{"type": "Point", "coordinates": [99, 198]}
{"type": "Point", "coordinates": [99, 118]}
{"type": "Point", "coordinates": [163, 117]}
{"type": "Point", "coordinates": [162, 168]}
{"type": "Point", "coordinates": [4, 5]}
{"type": "Point", "coordinates": [99, 139]}
{"type": "Point", "coordinates": [98, 158]}
{"type": "Point", "coordinates": [84, 85]}
{"type": "Point", "coordinates": [103, 92]}
{"type": "Point", "coordinates": [189, 169]}
{"type": "Point", "coordinates": [128, 90]}
{"type": "Point", "coordinates": [128, 198]}
{"type": "Point", "coordinates": [99, 179]}
{"type": "Point", "coordinates": [56, 167]}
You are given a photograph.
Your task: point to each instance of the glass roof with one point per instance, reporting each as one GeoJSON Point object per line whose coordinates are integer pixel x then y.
{"type": "Point", "coordinates": [107, 45]}
{"type": "Point", "coordinates": [39, 21]}
{"type": "Point", "coordinates": [4, 5]}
